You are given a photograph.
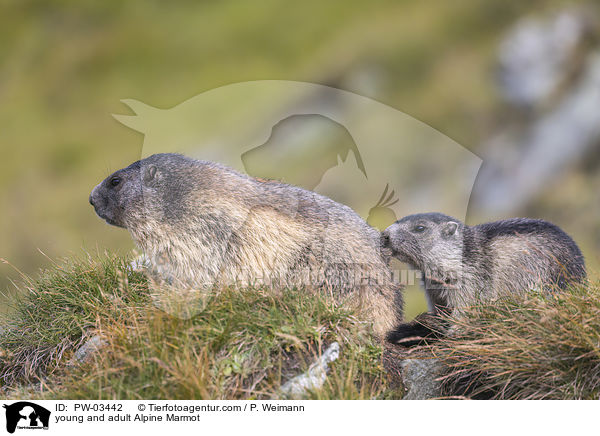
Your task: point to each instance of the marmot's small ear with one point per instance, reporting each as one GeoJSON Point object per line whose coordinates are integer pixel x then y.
{"type": "Point", "coordinates": [149, 173]}
{"type": "Point", "coordinates": [450, 229]}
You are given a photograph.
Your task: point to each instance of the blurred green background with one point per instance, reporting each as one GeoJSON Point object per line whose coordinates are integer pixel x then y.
{"type": "Point", "coordinates": [65, 66]}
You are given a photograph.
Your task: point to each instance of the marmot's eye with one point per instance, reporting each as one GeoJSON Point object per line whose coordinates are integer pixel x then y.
{"type": "Point", "coordinates": [419, 229]}
{"type": "Point", "coordinates": [115, 181]}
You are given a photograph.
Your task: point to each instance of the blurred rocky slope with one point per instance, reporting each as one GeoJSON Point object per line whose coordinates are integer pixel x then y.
{"type": "Point", "coordinates": [543, 158]}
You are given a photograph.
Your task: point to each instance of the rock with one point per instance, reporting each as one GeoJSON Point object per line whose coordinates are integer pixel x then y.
{"type": "Point", "coordinates": [413, 369]}
{"type": "Point", "coordinates": [312, 379]}
{"type": "Point", "coordinates": [420, 379]}
{"type": "Point", "coordinates": [537, 55]}
{"type": "Point", "coordinates": [547, 147]}
{"type": "Point", "coordinates": [549, 73]}
{"type": "Point", "coordinates": [84, 353]}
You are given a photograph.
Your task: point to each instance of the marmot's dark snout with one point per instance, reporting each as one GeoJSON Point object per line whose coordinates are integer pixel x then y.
{"type": "Point", "coordinates": [94, 200]}
{"type": "Point", "coordinates": [394, 238]}
{"type": "Point", "coordinates": [103, 209]}
{"type": "Point", "coordinates": [385, 244]}
{"type": "Point", "coordinates": [385, 239]}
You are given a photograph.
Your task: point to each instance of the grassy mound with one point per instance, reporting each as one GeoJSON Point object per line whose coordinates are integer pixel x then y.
{"type": "Point", "coordinates": [537, 347]}
{"type": "Point", "coordinates": [245, 344]}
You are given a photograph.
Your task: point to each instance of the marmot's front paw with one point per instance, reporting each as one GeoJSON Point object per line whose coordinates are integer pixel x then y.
{"type": "Point", "coordinates": [409, 335]}
{"type": "Point", "coordinates": [424, 329]}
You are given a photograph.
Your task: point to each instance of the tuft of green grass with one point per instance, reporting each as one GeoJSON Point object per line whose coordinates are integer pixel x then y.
{"type": "Point", "coordinates": [245, 344]}
{"type": "Point", "coordinates": [55, 314]}
{"type": "Point", "coordinates": [534, 347]}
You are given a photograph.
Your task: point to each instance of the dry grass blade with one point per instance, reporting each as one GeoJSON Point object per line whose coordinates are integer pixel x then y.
{"type": "Point", "coordinates": [538, 347]}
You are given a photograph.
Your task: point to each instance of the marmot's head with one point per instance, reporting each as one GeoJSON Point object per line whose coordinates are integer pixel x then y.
{"type": "Point", "coordinates": [151, 188]}
{"type": "Point", "coordinates": [117, 196]}
{"type": "Point", "coordinates": [426, 241]}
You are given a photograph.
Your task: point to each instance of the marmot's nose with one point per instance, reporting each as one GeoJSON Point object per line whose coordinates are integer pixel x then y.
{"type": "Point", "coordinates": [91, 200]}
{"type": "Point", "coordinates": [385, 238]}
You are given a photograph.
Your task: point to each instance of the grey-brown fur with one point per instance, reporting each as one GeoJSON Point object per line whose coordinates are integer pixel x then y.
{"type": "Point", "coordinates": [201, 224]}
{"type": "Point", "coordinates": [463, 265]}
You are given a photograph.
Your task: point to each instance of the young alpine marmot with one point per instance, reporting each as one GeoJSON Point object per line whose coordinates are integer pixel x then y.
{"type": "Point", "coordinates": [463, 265]}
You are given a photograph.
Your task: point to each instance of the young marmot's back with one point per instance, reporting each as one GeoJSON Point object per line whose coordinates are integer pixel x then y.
{"type": "Point", "coordinates": [201, 224]}
{"type": "Point", "coordinates": [463, 265]}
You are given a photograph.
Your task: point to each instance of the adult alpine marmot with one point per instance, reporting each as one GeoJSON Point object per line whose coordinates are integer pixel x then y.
{"type": "Point", "coordinates": [203, 225]}
{"type": "Point", "coordinates": [462, 265]}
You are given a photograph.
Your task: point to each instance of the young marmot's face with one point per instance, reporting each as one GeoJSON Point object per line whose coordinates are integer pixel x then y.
{"type": "Point", "coordinates": [119, 195]}
{"type": "Point", "coordinates": [423, 240]}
